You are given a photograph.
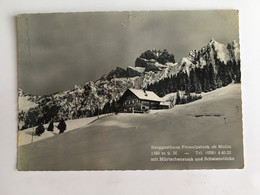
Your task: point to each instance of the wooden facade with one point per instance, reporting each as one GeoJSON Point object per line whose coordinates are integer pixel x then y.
{"type": "Point", "coordinates": [134, 100]}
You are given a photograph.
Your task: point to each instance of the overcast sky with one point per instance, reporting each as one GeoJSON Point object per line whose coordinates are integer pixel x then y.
{"type": "Point", "coordinates": [57, 51]}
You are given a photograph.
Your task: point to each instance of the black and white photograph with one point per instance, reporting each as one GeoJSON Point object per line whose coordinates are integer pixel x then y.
{"type": "Point", "coordinates": [129, 97]}
{"type": "Point", "coordinates": [130, 90]}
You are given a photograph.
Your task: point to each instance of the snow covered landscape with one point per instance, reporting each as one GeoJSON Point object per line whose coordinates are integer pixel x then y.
{"type": "Point", "coordinates": [123, 141]}
{"type": "Point", "coordinates": [201, 100]}
{"type": "Point", "coordinates": [28, 136]}
{"type": "Point", "coordinates": [213, 66]}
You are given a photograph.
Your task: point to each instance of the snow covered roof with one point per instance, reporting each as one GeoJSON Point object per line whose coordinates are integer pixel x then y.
{"type": "Point", "coordinates": [146, 95]}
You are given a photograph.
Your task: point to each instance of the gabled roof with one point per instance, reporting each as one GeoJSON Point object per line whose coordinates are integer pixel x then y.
{"type": "Point", "coordinates": [145, 95]}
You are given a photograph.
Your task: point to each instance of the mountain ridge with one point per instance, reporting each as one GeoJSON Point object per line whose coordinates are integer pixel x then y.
{"type": "Point", "coordinates": [154, 69]}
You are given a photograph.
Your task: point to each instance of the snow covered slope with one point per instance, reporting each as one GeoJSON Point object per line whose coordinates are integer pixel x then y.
{"type": "Point", "coordinates": [25, 104]}
{"type": "Point", "coordinates": [28, 136]}
{"type": "Point", "coordinates": [124, 141]}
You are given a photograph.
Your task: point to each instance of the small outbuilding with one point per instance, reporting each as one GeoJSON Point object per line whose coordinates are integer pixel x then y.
{"type": "Point", "coordinates": [137, 100]}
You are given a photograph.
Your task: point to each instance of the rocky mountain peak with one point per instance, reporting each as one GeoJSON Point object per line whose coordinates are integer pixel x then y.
{"type": "Point", "coordinates": [202, 70]}
{"type": "Point", "coordinates": [193, 55]}
{"type": "Point", "coordinates": [212, 40]}
{"type": "Point", "coordinates": [159, 56]}
{"type": "Point", "coordinates": [117, 73]}
{"type": "Point", "coordinates": [154, 60]}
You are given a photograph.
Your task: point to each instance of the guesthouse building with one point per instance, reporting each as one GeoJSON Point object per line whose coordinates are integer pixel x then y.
{"type": "Point", "coordinates": [137, 100]}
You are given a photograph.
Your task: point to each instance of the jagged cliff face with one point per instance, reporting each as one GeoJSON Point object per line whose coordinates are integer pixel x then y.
{"type": "Point", "coordinates": [219, 57]}
{"type": "Point", "coordinates": [213, 66]}
{"type": "Point", "coordinates": [214, 53]}
{"type": "Point", "coordinates": [151, 69]}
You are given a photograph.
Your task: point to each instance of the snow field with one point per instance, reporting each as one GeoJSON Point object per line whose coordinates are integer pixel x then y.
{"type": "Point", "coordinates": [28, 136]}
{"type": "Point", "coordinates": [123, 141]}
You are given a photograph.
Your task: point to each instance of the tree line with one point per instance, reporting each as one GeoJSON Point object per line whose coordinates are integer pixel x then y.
{"type": "Point", "coordinates": [198, 79]}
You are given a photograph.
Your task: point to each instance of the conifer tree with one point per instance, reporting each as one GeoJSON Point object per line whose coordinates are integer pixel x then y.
{"type": "Point", "coordinates": [178, 98]}
{"type": "Point", "coordinates": [212, 77]}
